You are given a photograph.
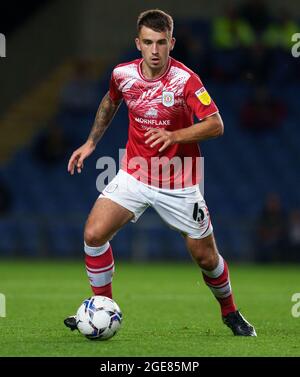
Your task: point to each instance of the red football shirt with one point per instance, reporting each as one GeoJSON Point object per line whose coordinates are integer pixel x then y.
{"type": "Point", "coordinates": [171, 101]}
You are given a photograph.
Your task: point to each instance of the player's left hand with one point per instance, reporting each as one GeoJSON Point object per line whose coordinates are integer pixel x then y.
{"type": "Point", "coordinates": [159, 136]}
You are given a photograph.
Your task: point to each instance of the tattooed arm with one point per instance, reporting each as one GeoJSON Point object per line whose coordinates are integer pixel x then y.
{"type": "Point", "coordinates": [106, 111]}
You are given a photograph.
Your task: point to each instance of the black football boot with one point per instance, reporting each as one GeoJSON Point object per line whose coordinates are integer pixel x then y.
{"type": "Point", "coordinates": [238, 324]}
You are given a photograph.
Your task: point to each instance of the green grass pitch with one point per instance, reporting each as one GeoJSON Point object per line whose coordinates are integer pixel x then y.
{"type": "Point", "coordinates": [167, 309]}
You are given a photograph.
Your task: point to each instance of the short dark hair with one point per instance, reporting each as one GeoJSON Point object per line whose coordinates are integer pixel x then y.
{"type": "Point", "coordinates": [156, 20]}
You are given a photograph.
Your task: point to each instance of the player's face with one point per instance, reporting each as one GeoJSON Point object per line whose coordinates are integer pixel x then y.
{"type": "Point", "coordinates": [155, 47]}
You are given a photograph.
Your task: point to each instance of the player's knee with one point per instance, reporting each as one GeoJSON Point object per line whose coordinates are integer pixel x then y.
{"type": "Point", "coordinates": [93, 237]}
{"type": "Point", "coordinates": [209, 262]}
{"type": "Point", "coordinates": [206, 258]}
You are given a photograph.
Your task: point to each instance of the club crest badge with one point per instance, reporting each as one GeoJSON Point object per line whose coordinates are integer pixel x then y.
{"type": "Point", "coordinates": [168, 99]}
{"type": "Point", "coordinates": [203, 96]}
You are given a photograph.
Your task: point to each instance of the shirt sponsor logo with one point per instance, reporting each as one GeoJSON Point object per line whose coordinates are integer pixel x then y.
{"type": "Point", "coordinates": [203, 96]}
{"type": "Point", "coordinates": [153, 122]}
{"type": "Point", "coordinates": [168, 99]}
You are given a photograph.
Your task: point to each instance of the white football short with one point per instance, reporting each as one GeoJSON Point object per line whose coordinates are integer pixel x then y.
{"type": "Point", "coordinates": [182, 209]}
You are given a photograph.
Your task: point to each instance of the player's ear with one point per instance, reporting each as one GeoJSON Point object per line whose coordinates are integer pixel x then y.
{"type": "Point", "coordinates": [137, 42]}
{"type": "Point", "coordinates": [173, 40]}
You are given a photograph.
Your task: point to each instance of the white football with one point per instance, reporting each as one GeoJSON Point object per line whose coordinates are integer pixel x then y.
{"type": "Point", "coordinates": [99, 317]}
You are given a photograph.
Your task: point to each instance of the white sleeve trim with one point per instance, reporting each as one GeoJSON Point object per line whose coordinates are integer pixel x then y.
{"type": "Point", "coordinates": [207, 116]}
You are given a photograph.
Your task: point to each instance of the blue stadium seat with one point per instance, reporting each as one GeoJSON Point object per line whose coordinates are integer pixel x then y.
{"type": "Point", "coordinates": [59, 239]}
{"type": "Point", "coordinates": [8, 237]}
{"type": "Point", "coordinates": [30, 231]}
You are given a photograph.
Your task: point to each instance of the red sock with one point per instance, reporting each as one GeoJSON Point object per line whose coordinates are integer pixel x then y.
{"type": "Point", "coordinates": [99, 263]}
{"type": "Point", "coordinates": [219, 283]}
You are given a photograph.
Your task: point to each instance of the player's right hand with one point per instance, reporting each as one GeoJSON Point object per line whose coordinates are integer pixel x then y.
{"type": "Point", "coordinates": [77, 158]}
